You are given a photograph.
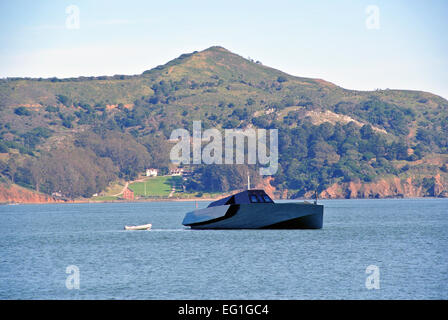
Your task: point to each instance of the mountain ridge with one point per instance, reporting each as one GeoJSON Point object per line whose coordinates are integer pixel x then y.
{"type": "Point", "coordinates": [345, 135]}
{"type": "Point", "coordinates": [213, 50]}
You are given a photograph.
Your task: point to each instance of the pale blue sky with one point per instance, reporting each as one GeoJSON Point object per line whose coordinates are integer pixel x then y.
{"type": "Point", "coordinates": [318, 39]}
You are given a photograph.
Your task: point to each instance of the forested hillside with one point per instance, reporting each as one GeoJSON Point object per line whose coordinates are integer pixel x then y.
{"type": "Point", "coordinates": [76, 136]}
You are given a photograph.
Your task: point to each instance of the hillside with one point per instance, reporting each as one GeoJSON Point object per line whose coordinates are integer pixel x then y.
{"type": "Point", "coordinates": [76, 136]}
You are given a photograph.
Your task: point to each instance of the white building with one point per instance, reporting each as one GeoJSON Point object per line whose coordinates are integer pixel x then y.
{"type": "Point", "coordinates": [152, 172]}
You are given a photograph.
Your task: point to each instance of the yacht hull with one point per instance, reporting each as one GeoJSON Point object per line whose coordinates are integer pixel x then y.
{"type": "Point", "coordinates": [257, 216]}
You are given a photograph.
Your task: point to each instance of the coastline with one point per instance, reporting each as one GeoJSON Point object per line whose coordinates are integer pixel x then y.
{"type": "Point", "coordinates": [89, 201]}
{"type": "Point", "coordinates": [393, 188]}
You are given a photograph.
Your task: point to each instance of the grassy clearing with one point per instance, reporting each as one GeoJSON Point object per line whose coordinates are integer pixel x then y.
{"type": "Point", "coordinates": [156, 186]}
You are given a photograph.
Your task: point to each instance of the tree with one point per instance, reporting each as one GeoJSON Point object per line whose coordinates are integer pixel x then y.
{"type": "Point", "coordinates": [75, 172]}
{"type": "Point", "coordinates": [282, 79]}
{"type": "Point", "coordinates": [3, 147]}
{"type": "Point", "coordinates": [323, 154]}
{"type": "Point", "coordinates": [250, 101]}
{"type": "Point", "coordinates": [63, 100]}
{"type": "Point", "coordinates": [22, 111]}
{"type": "Point", "coordinates": [240, 113]}
{"type": "Point", "coordinates": [52, 109]}
{"type": "Point", "coordinates": [12, 167]}
{"type": "Point", "coordinates": [367, 131]}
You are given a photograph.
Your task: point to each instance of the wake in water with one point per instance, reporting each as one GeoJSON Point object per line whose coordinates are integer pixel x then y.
{"type": "Point", "coordinates": [169, 230]}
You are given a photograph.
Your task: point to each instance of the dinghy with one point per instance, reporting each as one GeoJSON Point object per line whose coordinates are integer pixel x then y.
{"type": "Point", "coordinates": [142, 227]}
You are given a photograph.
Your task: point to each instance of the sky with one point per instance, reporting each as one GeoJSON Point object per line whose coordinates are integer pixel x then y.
{"type": "Point", "coordinates": [362, 45]}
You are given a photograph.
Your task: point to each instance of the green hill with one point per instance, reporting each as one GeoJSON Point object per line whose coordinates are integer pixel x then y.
{"type": "Point", "coordinates": [78, 135]}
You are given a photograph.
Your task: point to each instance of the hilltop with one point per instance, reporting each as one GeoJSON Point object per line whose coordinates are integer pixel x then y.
{"type": "Point", "coordinates": [79, 135]}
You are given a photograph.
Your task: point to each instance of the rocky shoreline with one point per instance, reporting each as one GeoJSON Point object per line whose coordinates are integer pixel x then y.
{"type": "Point", "coordinates": [381, 189]}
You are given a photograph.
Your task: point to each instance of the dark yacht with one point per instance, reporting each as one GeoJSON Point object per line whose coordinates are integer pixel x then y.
{"type": "Point", "coordinates": [254, 209]}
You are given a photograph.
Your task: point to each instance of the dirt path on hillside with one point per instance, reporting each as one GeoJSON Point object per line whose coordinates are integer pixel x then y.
{"type": "Point", "coordinates": [122, 190]}
{"type": "Point", "coordinates": [173, 189]}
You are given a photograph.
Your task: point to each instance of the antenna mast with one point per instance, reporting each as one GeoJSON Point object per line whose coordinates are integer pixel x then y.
{"type": "Point", "coordinates": [248, 182]}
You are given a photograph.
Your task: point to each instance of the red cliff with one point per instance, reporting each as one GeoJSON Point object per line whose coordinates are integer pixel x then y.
{"type": "Point", "coordinates": [16, 194]}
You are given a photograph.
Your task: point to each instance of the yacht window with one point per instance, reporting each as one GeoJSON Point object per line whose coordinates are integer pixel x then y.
{"type": "Point", "coordinates": [266, 198]}
{"type": "Point", "coordinates": [253, 198]}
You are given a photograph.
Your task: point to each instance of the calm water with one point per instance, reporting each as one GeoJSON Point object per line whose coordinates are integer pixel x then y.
{"type": "Point", "coordinates": [406, 239]}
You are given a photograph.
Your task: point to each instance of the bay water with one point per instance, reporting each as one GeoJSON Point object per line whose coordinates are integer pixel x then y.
{"type": "Point", "coordinates": [405, 240]}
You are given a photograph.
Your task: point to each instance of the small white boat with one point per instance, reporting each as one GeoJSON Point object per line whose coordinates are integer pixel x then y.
{"type": "Point", "coordinates": [142, 227]}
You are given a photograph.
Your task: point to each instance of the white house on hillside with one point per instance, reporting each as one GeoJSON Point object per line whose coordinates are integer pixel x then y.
{"type": "Point", "coordinates": [151, 172]}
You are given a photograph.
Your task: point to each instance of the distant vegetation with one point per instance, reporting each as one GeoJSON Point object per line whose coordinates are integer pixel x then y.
{"type": "Point", "coordinates": [78, 135]}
